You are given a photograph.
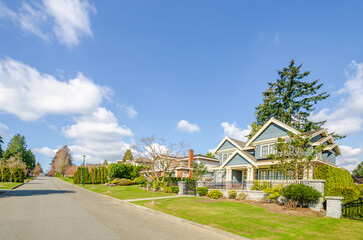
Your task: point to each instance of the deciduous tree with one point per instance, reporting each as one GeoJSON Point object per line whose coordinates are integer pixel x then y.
{"type": "Point", "coordinates": [164, 156]}
{"type": "Point", "coordinates": [17, 146]}
{"type": "Point", "coordinates": [359, 170]}
{"type": "Point", "coordinates": [62, 160]}
{"type": "Point", "coordinates": [199, 170]}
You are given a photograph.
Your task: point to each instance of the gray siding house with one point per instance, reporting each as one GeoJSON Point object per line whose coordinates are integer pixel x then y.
{"type": "Point", "coordinates": [240, 161]}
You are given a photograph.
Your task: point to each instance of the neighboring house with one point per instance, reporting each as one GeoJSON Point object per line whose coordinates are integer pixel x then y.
{"type": "Point", "coordinates": [136, 162]}
{"type": "Point", "coordinates": [185, 169]}
{"type": "Point", "coordinates": [183, 166]}
{"type": "Point", "coordinates": [240, 161]}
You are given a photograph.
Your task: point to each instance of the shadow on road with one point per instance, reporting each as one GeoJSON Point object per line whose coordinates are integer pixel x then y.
{"type": "Point", "coordinates": [25, 193]}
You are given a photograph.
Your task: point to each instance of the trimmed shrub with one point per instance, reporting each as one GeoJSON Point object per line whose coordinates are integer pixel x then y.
{"type": "Point", "coordinates": [257, 185]}
{"type": "Point", "coordinates": [300, 194]}
{"type": "Point", "coordinates": [215, 194]}
{"type": "Point", "coordinates": [349, 193]}
{"type": "Point", "coordinates": [202, 191]}
{"type": "Point", "coordinates": [359, 188]}
{"type": "Point", "coordinates": [174, 189]}
{"type": "Point", "coordinates": [274, 193]}
{"type": "Point", "coordinates": [242, 196]}
{"type": "Point", "coordinates": [124, 182]}
{"type": "Point", "coordinates": [232, 194]}
{"type": "Point", "coordinates": [168, 190]}
{"type": "Point", "coordinates": [140, 180]}
{"type": "Point", "coordinates": [334, 177]}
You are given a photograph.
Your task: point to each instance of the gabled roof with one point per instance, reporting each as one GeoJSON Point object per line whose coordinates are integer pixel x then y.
{"type": "Point", "coordinates": [268, 123]}
{"type": "Point", "coordinates": [238, 144]}
{"type": "Point", "coordinates": [328, 139]}
{"type": "Point", "coordinates": [244, 154]}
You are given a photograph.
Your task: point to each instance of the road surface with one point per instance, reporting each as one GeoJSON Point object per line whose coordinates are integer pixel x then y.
{"type": "Point", "coordinates": [48, 208]}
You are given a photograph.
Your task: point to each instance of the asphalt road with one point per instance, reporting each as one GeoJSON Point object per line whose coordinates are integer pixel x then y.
{"type": "Point", "coordinates": [48, 208]}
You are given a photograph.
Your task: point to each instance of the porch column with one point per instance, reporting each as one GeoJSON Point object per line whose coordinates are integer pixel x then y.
{"type": "Point", "coordinates": [229, 175]}
{"type": "Point", "coordinates": [249, 173]}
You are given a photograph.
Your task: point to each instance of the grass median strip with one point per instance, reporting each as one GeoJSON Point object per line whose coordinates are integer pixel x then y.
{"type": "Point", "coordinates": [256, 222]}
{"type": "Point", "coordinates": [9, 185]}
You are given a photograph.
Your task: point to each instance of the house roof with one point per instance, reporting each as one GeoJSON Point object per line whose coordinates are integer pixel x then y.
{"type": "Point", "coordinates": [251, 159]}
{"type": "Point", "coordinates": [237, 143]}
{"type": "Point", "coordinates": [268, 123]}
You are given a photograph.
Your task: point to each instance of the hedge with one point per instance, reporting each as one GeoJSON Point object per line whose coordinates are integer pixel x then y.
{"type": "Point", "coordinates": [18, 175]}
{"type": "Point", "coordinates": [127, 171]}
{"type": "Point", "coordinates": [335, 178]}
{"type": "Point", "coordinates": [99, 174]}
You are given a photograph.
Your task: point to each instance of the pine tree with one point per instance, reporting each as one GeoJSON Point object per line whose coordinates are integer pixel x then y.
{"type": "Point", "coordinates": [291, 100]}
{"type": "Point", "coordinates": [128, 156]}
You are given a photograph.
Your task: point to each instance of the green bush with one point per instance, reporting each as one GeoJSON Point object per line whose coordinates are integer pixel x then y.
{"type": "Point", "coordinates": [257, 185]}
{"type": "Point", "coordinates": [174, 189]}
{"type": "Point", "coordinates": [300, 194]}
{"type": "Point", "coordinates": [124, 182]}
{"type": "Point", "coordinates": [242, 196]}
{"type": "Point", "coordinates": [140, 180]}
{"type": "Point", "coordinates": [202, 191]}
{"type": "Point", "coordinates": [334, 177]}
{"type": "Point", "coordinates": [273, 193]}
{"type": "Point", "coordinates": [168, 190]}
{"type": "Point", "coordinates": [215, 194]}
{"type": "Point", "coordinates": [359, 188]}
{"type": "Point", "coordinates": [127, 171]}
{"type": "Point", "coordinates": [349, 193]}
{"type": "Point", "coordinates": [232, 194]}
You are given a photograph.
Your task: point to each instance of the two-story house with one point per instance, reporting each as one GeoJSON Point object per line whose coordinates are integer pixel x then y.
{"type": "Point", "coordinates": [249, 160]}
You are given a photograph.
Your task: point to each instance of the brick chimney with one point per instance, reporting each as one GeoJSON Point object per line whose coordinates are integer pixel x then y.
{"type": "Point", "coordinates": [190, 158]}
{"type": "Point", "coordinates": [190, 162]}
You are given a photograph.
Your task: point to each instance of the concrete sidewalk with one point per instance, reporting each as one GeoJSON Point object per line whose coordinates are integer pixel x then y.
{"type": "Point", "coordinates": [156, 198]}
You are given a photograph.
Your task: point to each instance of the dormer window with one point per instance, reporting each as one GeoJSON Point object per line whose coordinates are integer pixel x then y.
{"type": "Point", "coordinates": [225, 156]}
{"type": "Point", "coordinates": [267, 150]}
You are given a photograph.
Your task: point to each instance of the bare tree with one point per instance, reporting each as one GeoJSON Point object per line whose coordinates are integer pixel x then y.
{"type": "Point", "coordinates": [13, 163]}
{"type": "Point", "coordinates": [164, 157]}
{"type": "Point", "coordinates": [62, 160]}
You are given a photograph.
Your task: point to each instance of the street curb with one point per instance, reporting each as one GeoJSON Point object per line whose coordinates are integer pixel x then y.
{"type": "Point", "coordinates": [9, 190]}
{"type": "Point", "coordinates": [222, 233]}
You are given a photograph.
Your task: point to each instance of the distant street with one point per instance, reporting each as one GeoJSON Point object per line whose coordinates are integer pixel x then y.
{"type": "Point", "coordinates": [48, 208]}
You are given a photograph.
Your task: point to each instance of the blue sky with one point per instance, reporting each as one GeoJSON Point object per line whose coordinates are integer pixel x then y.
{"type": "Point", "coordinates": [99, 75]}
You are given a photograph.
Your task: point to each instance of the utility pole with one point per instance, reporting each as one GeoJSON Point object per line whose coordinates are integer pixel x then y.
{"type": "Point", "coordinates": [84, 166]}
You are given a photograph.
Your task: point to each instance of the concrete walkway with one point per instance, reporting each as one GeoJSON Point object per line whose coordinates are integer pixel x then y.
{"type": "Point", "coordinates": [49, 208]}
{"type": "Point", "coordinates": [156, 198]}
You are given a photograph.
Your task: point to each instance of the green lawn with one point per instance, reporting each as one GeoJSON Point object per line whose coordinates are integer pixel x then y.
{"type": "Point", "coordinates": [122, 192]}
{"type": "Point", "coordinates": [8, 185]}
{"type": "Point", "coordinates": [256, 222]}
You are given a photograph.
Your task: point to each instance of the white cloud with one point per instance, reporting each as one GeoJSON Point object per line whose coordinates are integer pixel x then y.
{"type": "Point", "coordinates": [130, 111]}
{"type": "Point", "coordinates": [231, 130]}
{"type": "Point", "coordinates": [67, 20]}
{"type": "Point", "coordinates": [99, 136]}
{"type": "Point", "coordinates": [3, 128]}
{"type": "Point", "coordinates": [347, 116]}
{"type": "Point", "coordinates": [350, 157]}
{"type": "Point", "coordinates": [185, 126]}
{"type": "Point", "coordinates": [30, 95]}
{"type": "Point", "coordinates": [46, 151]}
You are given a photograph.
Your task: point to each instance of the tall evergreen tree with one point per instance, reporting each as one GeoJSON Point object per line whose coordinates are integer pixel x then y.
{"type": "Point", "coordinates": [17, 146]}
{"type": "Point", "coordinates": [128, 156]}
{"type": "Point", "coordinates": [291, 100]}
{"type": "Point", "coordinates": [1, 150]}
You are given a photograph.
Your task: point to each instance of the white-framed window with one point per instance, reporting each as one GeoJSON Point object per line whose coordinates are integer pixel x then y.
{"type": "Point", "coordinates": [267, 150]}
{"type": "Point", "coordinates": [225, 156]}
{"type": "Point", "coordinates": [264, 150]}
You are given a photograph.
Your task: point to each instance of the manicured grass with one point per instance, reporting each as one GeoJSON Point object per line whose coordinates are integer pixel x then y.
{"type": "Point", "coordinates": [256, 222]}
{"type": "Point", "coordinates": [9, 185]}
{"type": "Point", "coordinates": [122, 192]}
{"type": "Point", "coordinates": [66, 179]}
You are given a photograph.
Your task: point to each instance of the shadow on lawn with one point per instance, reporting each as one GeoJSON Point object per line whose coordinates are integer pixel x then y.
{"type": "Point", "coordinates": [28, 193]}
